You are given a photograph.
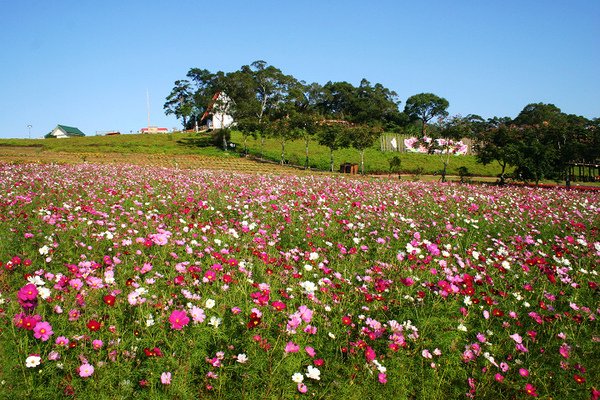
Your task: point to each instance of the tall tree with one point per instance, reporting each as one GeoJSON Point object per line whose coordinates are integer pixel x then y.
{"type": "Point", "coordinates": [333, 135]}
{"type": "Point", "coordinates": [496, 142]}
{"type": "Point", "coordinates": [362, 137]}
{"type": "Point", "coordinates": [424, 107]}
{"type": "Point", "coordinates": [180, 102]}
{"type": "Point", "coordinates": [449, 133]}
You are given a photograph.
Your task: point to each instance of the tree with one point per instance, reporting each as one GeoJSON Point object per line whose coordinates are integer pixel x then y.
{"type": "Point", "coordinates": [333, 135]}
{"type": "Point", "coordinates": [425, 106]}
{"type": "Point", "coordinates": [450, 131]}
{"type": "Point", "coordinates": [362, 137]}
{"type": "Point", "coordinates": [180, 102]}
{"type": "Point", "coordinates": [496, 142]}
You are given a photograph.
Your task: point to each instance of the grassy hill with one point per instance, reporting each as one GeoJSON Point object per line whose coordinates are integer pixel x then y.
{"type": "Point", "coordinates": [188, 149]}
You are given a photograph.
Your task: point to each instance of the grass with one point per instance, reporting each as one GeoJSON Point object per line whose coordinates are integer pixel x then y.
{"type": "Point", "coordinates": [191, 150]}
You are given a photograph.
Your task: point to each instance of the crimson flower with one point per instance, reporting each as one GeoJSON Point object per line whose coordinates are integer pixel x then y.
{"type": "Point", "coordinates": [93, 325]}
{"type": "Point", "coordinates": [109, 299]}
{"type": "Point", "coordinates": [254, 321]}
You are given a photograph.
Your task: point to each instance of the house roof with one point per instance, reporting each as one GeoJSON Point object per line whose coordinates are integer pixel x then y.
{"type": "Point", "coordinates": [68, 130]}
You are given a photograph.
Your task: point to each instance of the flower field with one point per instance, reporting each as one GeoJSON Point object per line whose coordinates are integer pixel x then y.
{"type": "Point", "coordinates": [148, 282]}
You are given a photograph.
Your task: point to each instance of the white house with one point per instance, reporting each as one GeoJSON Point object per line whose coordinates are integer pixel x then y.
{"type": "Point", "coordinates": [63, 131]}
{"type": "Point", "coordinates": [217, 114]}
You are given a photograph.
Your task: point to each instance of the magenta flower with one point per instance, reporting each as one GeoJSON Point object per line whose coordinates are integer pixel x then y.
{"type": "Point", "coordinates": [27, 296]}
{"type": "Point", "coordinates": [42, 331]}
{"type": "Point", "coordinates": [291, 347]}
{"type": "Point", "coordinates": [86, 370]}
{"type": "Point", "coordinates": [178, 319]}
{"type": "Point", "coordinates": [370, 354]}
{"type": "Point", "coordinates": [382, 377]}
{"type": "Point", "coordinates": [97, 344]}
{"type": "Point", "coordinates": [564, 350]}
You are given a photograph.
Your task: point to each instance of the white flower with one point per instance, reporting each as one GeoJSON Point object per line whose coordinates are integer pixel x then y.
{"type": "Point", "coordinates": [214, 321]}
{"type": "Point", "coordinates": [297, 377]}
{"type": "Point", "coordinates": [210, 303]}
{"type": "Point", "coordinates": [150, 320]}
{"type": "Point", "coordinates": [308, 267]}
{"type": "Point", "coordinates": [36, 280]}
{"type": "Point", "coordinates": [44, 250]}
{"type": "Point", "coordinates": [44, 292]}
{"type": "Point", "coordinates": [242, 358]}
{"type": "Point", "coordinates": [467, 301]}
{"type": "Point", "coordinates": [313, 373]}
{"type": "Point", "coordinates": [461, 327]}
{"type": "Point", "coordinates": [309, 287]}
{"type": "Point", "coordinates": [313, 256]}
{"type": "Point", "coordinates": [33, 361]}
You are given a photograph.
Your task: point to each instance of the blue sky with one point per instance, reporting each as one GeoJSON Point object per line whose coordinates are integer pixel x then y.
{"type": "Point", "coordinates": [90, 64]}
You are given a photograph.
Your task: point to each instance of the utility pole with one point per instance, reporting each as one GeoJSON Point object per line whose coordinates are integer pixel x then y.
{"type": "Point", "coordinates": [29, 127]}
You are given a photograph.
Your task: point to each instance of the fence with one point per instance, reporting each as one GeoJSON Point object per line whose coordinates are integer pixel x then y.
{"type": "Point", "coordinates": [395, 142]}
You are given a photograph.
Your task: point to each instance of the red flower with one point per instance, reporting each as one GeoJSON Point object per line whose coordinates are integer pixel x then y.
{"type": "Point", "coordinates": [254, 321]}
{"type": "Point", "coordinates": [346, 320]}
{"type": "Point", "coordinates": [93, 325]}
{"type": "Point", "coordinates": [109, 299]}
{"type": "Point", "coordinates": [579, 379]}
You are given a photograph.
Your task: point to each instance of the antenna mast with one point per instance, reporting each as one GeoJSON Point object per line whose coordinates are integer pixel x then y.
{"type": "Point", "coordinates": [148, 105]}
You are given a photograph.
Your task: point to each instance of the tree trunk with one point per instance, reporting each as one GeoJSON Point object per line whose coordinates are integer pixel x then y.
{"type": "Point", "coordinates": [245, 145]}
{"type": "Point", "coordinates": [262, 145]}
{"type": "Point", "coordinates": [282, 151]}
{"type": "Point", "coordinates": [224, 142]}
{"type": "Point", "coordinates": [331, 159]}
{"type": "Point", "coordinates": [362, 162]}
{"type": "Point", "coordinates": [306, 148]}
{"type": "Point", "coordinates": [503, 165]}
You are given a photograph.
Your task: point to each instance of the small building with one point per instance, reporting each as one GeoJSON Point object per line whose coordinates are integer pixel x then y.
{"type": "Point", "coordinates": [349, 168]}
{"type": "Point", "coordinates": [63, 131]}
{"type": "Point", "coordinates": [217, 113]}
{"type": "Point", "coordinates": [154, 129]}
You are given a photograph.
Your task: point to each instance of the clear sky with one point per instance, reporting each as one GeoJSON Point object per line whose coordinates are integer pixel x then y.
{"type": "Point", "coordinates": [89, 64]}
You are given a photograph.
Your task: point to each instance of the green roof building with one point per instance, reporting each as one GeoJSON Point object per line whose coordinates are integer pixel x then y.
{"type": "Point", "coordinates": [63, 131]}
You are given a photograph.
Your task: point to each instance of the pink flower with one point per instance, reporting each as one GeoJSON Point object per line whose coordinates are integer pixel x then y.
{"type": "Point", "coordinates": [197, 314]}
{"type": "Point", "coordinates": [291, 347]}
{"type": "Point", "coordinates": [563, 350]}
{"type": "Point", "coordinates": [370, 354]}
{"type": "Point", "coordinates": [499, 378]}
{"type": "Point", "coordinates": [178, 319]}
{"type": "Point", "coordinates": [86, 370]}
{"type": "Point", "coordinates": [523, 372]}
{"type": "Point", "coordinates": [165, 378]}
{"type": "Point", "coordinates": [426, 354]}
{"type": "Point", "coordinates": [531, 390]}
{"type": "Point", "coordinates": [302, 388]}
{"type": "Point", "coordinates": [62, 341]}
{"type": "Point", "coordinates": [42, 331]}
{"type": "Point", "coordinates": [97, 344]}
{"type": "Point", "coordinates": [382, 378]}
{"type": "Point", "coordinates": [310, 351]}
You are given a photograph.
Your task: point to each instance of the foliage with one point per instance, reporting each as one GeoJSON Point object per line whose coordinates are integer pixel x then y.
{"type": "Point", "coordinates": [146, 282]}
{"type": "Point", "coordinates": [424, 107]}
{"type": "Point", "coordinates": [540, 142]}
